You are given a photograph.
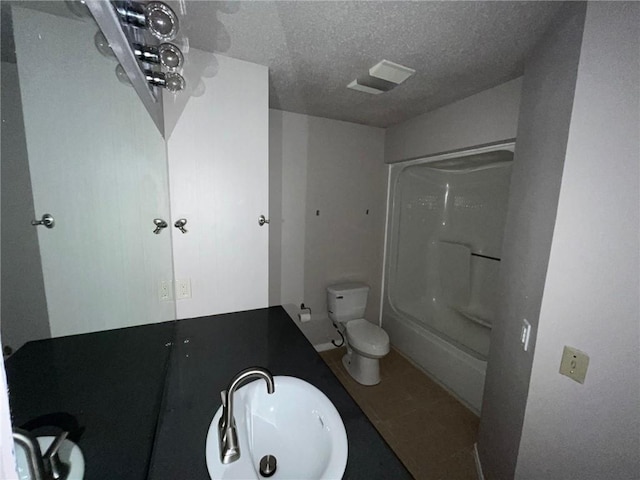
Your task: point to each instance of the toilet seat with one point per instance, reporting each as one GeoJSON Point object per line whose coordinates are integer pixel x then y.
{"type": "Point", "coordinates": [367, 338]}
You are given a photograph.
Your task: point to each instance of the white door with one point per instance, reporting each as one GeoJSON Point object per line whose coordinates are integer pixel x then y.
{"type": "Point", "coordinates": [98, 165]}
{"type": "Point", "coordinates": [218, 172]}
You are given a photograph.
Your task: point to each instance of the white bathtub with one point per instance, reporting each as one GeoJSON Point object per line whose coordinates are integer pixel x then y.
{"type": "Point", "coordinates": [459, 372]}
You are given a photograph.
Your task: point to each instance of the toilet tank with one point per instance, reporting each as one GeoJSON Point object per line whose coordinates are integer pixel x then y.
{"type": "Point", "coordinates": [347, 301]}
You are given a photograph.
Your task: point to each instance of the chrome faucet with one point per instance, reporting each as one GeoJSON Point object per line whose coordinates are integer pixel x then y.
{"type": "Point", "coordinates": [227, 434]}
{"type": "Point", "coordinates": [42, 467]}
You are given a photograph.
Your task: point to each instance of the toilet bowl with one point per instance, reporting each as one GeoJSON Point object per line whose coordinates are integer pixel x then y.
{"type": "Point", "coordinates": [366, 343]}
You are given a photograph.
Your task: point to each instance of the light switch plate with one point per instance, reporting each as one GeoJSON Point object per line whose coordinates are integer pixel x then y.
{"type": "Point", "coordinates": [574, 364]}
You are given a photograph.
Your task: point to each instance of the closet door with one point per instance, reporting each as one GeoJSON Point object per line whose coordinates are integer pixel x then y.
{"type": "Point", "coordinates": [218, 174]}
{"type": "Point", "coordinates": [97, 164]}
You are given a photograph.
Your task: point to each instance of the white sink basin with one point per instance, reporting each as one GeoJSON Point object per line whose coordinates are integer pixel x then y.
{"type": "Point", "coordinates": [297, 424]}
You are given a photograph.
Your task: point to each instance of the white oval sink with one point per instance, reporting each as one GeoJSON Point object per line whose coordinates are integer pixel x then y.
{"type": "Point", "coordinates": [297, 424]}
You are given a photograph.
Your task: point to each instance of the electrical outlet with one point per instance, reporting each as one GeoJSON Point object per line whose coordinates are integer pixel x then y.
{"type": "Point", "coordinates": [164, 290]}
{"type": "Point", "coordinates": [574, 364]}
{"type": "Point", "coordinates": [183, 288]}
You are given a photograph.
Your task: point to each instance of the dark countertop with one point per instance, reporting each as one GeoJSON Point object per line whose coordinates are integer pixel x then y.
{"type": "Point", "coordinates": [145, 396]}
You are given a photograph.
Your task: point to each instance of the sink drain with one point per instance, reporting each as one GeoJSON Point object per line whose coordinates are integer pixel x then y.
{"type": "Point", "coordinates": [268, 465]}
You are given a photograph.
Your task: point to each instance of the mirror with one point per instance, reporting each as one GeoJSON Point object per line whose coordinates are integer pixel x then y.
{"type": "Point", "coordinates": [79, 145]}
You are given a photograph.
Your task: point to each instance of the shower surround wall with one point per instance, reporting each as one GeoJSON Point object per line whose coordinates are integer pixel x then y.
{"type": "Point", "coordinates": [444, 240]}
{"type": "Point", "coordinates": [485, 118]}
{"type": "Point", "coordinates": [445, 237]}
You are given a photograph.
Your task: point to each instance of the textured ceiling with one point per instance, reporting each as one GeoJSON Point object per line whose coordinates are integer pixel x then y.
{"type": "Point", "coordinates": [315, 48]}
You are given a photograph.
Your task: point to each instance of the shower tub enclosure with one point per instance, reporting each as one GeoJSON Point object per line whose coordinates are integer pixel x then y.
{"type": "Point", "coordinates": [445, 224]}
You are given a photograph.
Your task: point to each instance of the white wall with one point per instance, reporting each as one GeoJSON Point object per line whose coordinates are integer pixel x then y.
{"type": "Point", "coordinates": [487, 117]}
{"type": "Point", "coordinates": [24, 306]}
{"type": "Point", "coordinates": [591, 295]}
{"type": "Point", "coordinates": [218, 174]}
{"type": "Point", "coordinates": [336, 168]}
{"type": "Point", "coordinates": [288, 158]}
{"type": "Point", "coordinates": [543, 126]}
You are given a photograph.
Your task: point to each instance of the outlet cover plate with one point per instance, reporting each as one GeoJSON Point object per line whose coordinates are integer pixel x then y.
{"type": "Point", "coordinates": [183, 289]}
{"type": "Point", "coordinates": [574, 364]}
{"type": "Point", "coordinates": [164, 290]}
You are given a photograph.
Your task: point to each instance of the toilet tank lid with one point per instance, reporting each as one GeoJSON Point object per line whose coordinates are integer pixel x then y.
{"type": "Point", "coordinates": [348, 287]}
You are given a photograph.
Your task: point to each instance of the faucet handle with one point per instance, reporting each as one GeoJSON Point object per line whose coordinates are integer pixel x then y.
{"type": "Point", "coordinates": [224, 395]}
{"type": "Point", "coordinates": [55, 445]}
{"type": "Point", "coordinates": [59, 469]}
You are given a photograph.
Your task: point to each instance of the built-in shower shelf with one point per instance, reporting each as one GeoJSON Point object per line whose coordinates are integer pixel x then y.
{"type": "Point", "coordinates": [474, 317]}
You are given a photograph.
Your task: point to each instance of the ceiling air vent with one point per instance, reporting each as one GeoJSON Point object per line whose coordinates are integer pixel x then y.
{"type": "Point", "coordinates": [382, 77]}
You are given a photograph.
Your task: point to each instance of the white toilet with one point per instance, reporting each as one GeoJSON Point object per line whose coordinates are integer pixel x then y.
{"type": "Point", "coordinates": [366, 343]}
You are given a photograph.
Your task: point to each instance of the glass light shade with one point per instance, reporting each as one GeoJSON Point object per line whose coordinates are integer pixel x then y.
{"type": "Point", "coordinates": [102, 45]}
{"type": "Point", "coordinates": [170, 56]}
{"type": "Point", "coordinates": [161, 20]}
{"type": "Point", "coordinates": [122, 75]}
{"type": "Point", "coordinates": [174, 82]}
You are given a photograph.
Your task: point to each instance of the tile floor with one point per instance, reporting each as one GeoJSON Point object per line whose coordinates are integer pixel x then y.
{"type": "Point", "coordinates": [430, 431]}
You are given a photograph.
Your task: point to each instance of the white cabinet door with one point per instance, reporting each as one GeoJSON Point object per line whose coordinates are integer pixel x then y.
{"type": "Point", "coordinates": [218, 173]}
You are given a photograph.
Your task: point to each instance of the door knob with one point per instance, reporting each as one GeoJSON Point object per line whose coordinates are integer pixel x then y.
{"type": "Point", "coordinates": [47, 220]}
{"type": "Point", "coordinates": [180, 223]}
{"type": "Point", "coordinates": [262, 220]}
{"type": "Point", "coordinates": [160, 224]}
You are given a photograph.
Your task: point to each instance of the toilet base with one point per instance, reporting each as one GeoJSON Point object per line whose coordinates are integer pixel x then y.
{"type": "Point", "coordinates": [364, 370]}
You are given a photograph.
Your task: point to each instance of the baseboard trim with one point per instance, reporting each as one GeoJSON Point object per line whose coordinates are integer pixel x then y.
{"type": "Point", "coordinates": [322, 347]}
{"type": "Point", "coordinates": [479, 472]}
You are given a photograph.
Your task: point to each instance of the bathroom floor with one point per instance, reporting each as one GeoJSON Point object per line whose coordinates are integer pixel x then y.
{"type": "Point", "coordinates": [430, 431]}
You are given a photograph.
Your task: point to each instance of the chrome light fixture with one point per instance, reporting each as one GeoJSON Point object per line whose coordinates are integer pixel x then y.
{"type": "Point", "coordinates": [166, 54]}
{"type": "Point", "coordinates": [157, 17]}
{"type": "Point", "coordinates": [170, 56]}
{"type": "Point", "coordinates": [174, 82]}
{"type": "Point", "coordinates": [160, 21]}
